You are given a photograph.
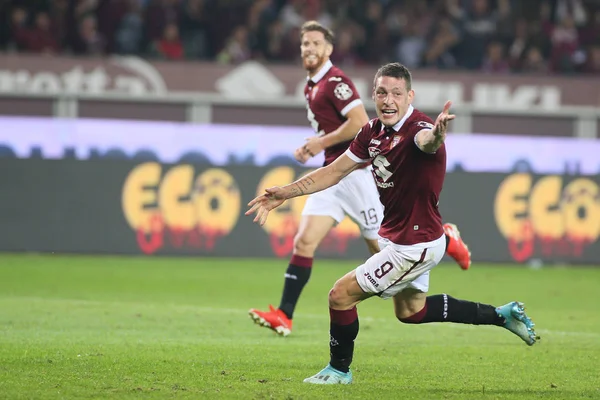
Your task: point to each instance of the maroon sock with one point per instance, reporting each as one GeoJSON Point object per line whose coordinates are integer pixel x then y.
{"type": "Point", "coordinates": [343, 329]}
{"type": "Point", "coordinates": [296, 277]}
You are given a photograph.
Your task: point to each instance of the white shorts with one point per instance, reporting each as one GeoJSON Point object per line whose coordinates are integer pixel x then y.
{"type": "Point", "coordinates": [355, 196]}
{"type": "Point", "coordinates": [397, 267]}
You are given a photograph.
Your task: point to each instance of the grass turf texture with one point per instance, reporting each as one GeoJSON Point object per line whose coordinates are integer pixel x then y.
{"type": "Point", "coordinates": [118, 327]}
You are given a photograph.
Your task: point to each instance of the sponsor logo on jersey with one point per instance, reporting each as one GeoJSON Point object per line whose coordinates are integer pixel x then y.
{"type": "Point", "coordinates": [374, 151]}
{"type": "Point", "coordinates": [375, 141]}
{"type": "Point", "coordinates": [385, 185]}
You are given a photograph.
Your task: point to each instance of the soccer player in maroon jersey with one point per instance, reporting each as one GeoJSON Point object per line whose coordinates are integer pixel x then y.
{"type": "Point", "coordinates": [408, 154]}
{"type": "Point", "coordinates": [336, 113]}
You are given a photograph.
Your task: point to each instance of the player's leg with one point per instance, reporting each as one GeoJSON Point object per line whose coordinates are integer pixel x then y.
{"type": "Point", "coordinates": [312, 230]}
{"type": "Point", "coordinates": [413, 306]}
{"type": "Point", "coordinates": [343, 330]}
{"type": "Point", "coordinates": [367, 280]}
{"type": "Point", "coordinates": [321, 211]}
{"type": "Point", "coordinates": [456, 247]}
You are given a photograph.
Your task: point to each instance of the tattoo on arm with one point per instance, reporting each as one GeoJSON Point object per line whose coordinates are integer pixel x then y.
{"type": "Point", "coordinates": [302, 186]}
{"type": "Point", "coordinates": [295, 192]}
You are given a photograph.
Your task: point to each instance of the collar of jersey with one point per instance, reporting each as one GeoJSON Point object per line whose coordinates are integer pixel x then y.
{"type": "Point", "coordinates": [399, 124]}
{"type": "Point", "coordinates": [319, 75]}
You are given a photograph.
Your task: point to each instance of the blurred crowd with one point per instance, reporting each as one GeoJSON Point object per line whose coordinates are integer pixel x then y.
{"type": "Point", "coordinates": [496, 36]}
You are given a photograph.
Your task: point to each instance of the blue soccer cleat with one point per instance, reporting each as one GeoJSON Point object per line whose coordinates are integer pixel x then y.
{"type": "Point", "coordinates": [330, 376]}
{"type": "Point", "coordinates": [518, 322]}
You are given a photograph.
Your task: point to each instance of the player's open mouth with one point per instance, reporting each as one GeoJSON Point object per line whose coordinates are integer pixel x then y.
{"type": "Point", "coordinates": [310, 58]}
{"type": "Point", "coordinates": [388, 112]}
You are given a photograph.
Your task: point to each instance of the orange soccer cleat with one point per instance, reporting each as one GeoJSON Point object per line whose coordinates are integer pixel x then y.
{"type": "Point", "coordinates": [274, 319]}
{"type": "Point", "coordinates": [457, 249]}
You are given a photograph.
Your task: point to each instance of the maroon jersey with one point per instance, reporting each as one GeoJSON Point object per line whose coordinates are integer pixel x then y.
{"type": "Point", "coordinates": [330, 94]}
{"type": "Point", "coordinates": [409, 181]}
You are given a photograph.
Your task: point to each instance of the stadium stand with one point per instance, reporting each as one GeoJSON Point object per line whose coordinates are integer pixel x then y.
{"type": "Point", "coordinates": [495, 36]}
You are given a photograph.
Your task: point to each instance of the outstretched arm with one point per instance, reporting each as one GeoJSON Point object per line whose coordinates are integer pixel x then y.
{"type": "Point", "coordinates": [429, 140]}
{"type": "Point", "coordinates": [315, 181]}
{"type": "Point", "coordinates": [321, 178]}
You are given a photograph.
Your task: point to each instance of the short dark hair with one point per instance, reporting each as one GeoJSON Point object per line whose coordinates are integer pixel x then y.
{"type": "Point", "coordinates": [312, 26]}
{"type": "Point", "coordinates": [395, 70]}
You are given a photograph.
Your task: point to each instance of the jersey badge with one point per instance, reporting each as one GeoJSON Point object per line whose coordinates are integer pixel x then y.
{"type": "Point", "coordinates": [397, 139]}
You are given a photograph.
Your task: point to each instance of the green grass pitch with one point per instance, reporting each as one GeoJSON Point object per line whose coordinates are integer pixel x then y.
{"type": "Point", "coordinates": [136, 327]}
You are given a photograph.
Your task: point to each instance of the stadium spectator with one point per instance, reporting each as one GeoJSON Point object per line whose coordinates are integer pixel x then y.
{"type": "Point", "coordinates": [129, 37]}
{"type": "Point", "coordinates": [572, 8]}
{"type": "Point", "coordinates": [88, 40]}
{"type": "Point", "coordinates": [273, 45]}
{"type": "Point", "coordinates": [564, 39]}
{"type": "Point", "coordinates": [194, 29]}
{"type": "Point", "coordinates": [592, 64]}
{"type": "Point", "coordinates": [478, 26]}
{"type": "Point", "coordinates": [295, 12]}
{"type": "Point", "coordinates": [58, 17]}
{"type": "Point", "coordinates": [495, 61]}
{"type": "Point", "coordinates": [374, 38]}
{"type": "Point", "coordinates": [237, 48]}
{"type": "Point", "coordinates": [157, 15]}
{"type": "Point", "coordinates": [412, 44]}
{"type": "Point", "coordinates": [345, 53]}
{"type": "Point", "coordinates": [169, 46]}
{"type": "Point", "coordinates": [18, 28]}
{"type": "Point", "coordinates": [39, 38]}
{"type": "Point", "coordinates": [443, 39]}
{"type": "Point", "coordinates": [533, 61]}
{"type": "Point", "coordinates": [590, 34]}
{"type": "Point", "coordinates": [518, 44]}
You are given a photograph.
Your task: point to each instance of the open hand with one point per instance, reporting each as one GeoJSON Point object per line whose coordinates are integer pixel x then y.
{"type": "Point", "coordinates": [261, 205]}
{"type": "Point", "coordinates": [441, 122]}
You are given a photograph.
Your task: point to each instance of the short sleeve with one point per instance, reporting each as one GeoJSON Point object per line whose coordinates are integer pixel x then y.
{"type": "Point", "coordinates": [343, 94]}
{"type": "Point", "coordinates": [422, 121]}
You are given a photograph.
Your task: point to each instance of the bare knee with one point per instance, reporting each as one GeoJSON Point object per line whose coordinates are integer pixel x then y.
{"type": "Point", "coordinates": [404, 314]}
{"type": "Point", "coordinates": [336, 297]}
{"type": "Point", "coordinates": [346, 293]}
{"type": "Point", "coordinates": [408, 304]}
